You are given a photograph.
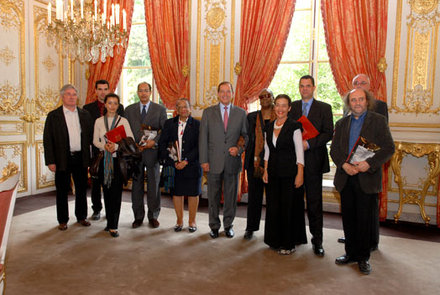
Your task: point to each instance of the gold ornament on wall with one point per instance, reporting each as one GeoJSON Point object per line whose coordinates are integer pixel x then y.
{"type": "Point", "coordinates": [48, 63]}
{"type": "Point", "coordinates": [215, 20]}
{"type": "Point", "coordinates": [10, 13]}
{"type": "Point", "coordinates": [10, 170]}
{"type": "Point", "coordinates": [382, 65]}
{"type": "Point", "coordinates": [185, 71]}
{"type": "Point", "coordinates": [9, 99]}
{"type": "Point", "coordinates": [237, 68]}
{"type": "Point", "coordinates": [6, 55]}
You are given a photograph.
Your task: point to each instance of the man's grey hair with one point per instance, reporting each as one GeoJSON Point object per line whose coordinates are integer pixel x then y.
{"type": "Point", "coordinates": [360, 75]}
{"type": "Point", "coordinates": [66, 87]}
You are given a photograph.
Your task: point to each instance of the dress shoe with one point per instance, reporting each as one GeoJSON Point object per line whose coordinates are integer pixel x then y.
{"type": "Point", "coordinates": [106, 228]}
{"type": "Point", "coordinates": [154, 223]}
{"type": "Point", "coordinates": [364, 267]}
{"type": "Point", "coordinates": [192, 229]}
{"type": "Point", "coordinates": [229, 232]}
{"type": "Point", "coordinates": [341, 240]}
{"type": "Point", "coordinates": [114, 233]}
{"type": "Point", "coordinates": [96, 215]}
{"type": "Point", "coordinates": [344, 259]}
{"type": "Point", "coordinates": [136, 223]}
{"type": "Point", "coordinates": [248, 235]}
{"type": "Point", "coordinates": [213, 233]}
{"type": "Point", "coordinates": [178, 228]}
{"type": "Point", "coordinates": [318, 250]}
{"type": "Point", "coordinates": [84, 222]}
{"type": "Point", "coordinates": [62, 226]}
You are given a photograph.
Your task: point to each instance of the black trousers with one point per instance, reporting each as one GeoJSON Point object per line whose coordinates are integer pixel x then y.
{"type": "Point", "coordinates": [112, 195]}
{"type": "Point", "coordinates": [313, 188]}
{"type": "Point", "coordinates": [255, 201]}
{"type": "Point", "coordinates": [96, 195]}
{"type": "Point", "coordinates": [62, 184]}
{"type": "Point", "coordinates": [357, 210]}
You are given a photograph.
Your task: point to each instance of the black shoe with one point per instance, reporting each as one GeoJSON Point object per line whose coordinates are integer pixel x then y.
{"type": "Point", "coordinates": [364, 267]}
{"type": "Point", "coordinates": [344, 259]}
{"type": "Point", "coordinates": [106, 228]}
{"type": "Point", "coordinates": [96, 216]}
{"type": "Point", "coordinates": [114, 233]}
{"type": "Point", "coordinates": [178, 228]}
{"type": "Point", "coordinates": [192, 229]}
{"type": "Point", "coordinates": [136, 223]}
{"type": "Point", "coordinates": [341, 240]}
{"type": "Point", "coordinates": [214, 233]}
{"type": "Point", "coordinates": [318, 250]}
{"type": "Point", "coordinates": [248, 235]}
{"type": "Point", "coordinates": [229, 232]}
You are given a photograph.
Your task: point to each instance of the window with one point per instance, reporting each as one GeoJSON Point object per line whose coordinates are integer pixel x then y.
{"type": "Point", "coordinates": [137, 64]}
{"type": "Point", "coordinates": [306, 54]}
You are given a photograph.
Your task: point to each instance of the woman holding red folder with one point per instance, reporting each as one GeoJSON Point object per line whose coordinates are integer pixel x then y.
{"type": "Point", "coordinates": [109, 170]}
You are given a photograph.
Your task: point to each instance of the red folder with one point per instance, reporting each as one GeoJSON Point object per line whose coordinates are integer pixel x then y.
{"type": "Point", "coordinates": [309, 131]}
{"type": "Point", "coordinates": [116, 134]}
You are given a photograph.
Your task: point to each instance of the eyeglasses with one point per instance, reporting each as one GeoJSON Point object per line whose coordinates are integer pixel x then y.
{"type": "Point", "coordinates": [265, 96]}
{"type": "Point", "coordinates": [363, 83]}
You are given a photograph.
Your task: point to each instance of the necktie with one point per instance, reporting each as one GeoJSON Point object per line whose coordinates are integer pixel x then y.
{"type": "Point", "coordinates": [144, 113]}
{"type": "Point", "coordinates": [225, 118]}
{"type": "Point", "coordinates": [304, 109]}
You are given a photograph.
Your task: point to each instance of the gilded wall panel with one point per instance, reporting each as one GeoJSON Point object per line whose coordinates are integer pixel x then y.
{"type": "Point", "coordinates": [415, 91]}
{"type": "Point", "coordinates": [12, 57]}
{"type": "Point", "coordinates": [213, 31]}
{"type": "Point", "coordinates": [45, 178]}
{"type": "Point", "coordinates": [15, 152]}
{"type": "Point", "coordinates": [48, 67]}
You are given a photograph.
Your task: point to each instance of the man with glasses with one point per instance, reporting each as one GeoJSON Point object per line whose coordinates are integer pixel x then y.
{"type": "Point", "coordinates": [146, 115]}
{"type": "Point", "coordinates": [315, 154]}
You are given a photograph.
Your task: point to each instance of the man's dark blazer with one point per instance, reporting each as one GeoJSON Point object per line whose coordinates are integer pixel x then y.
{"type": "Point", "coordinates": [375, 129]}
{"type": "Point", "coordinates": [56, 138]}
{"type": "Point", "coordinates": [190, 145]}
{"type": "Point", "coordinates": [320, 115]}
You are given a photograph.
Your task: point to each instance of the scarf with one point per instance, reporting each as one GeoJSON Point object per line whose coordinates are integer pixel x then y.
{"type": "Point", "coordinates": [108, 158]}
{"type": "Point", "coordinates": [259, 137]}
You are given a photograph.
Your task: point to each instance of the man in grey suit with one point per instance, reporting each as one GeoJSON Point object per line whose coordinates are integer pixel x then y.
{"type": "Point", "coordinates": [220, 156]}
{"type": "Point", "coordinates": [146, 114]}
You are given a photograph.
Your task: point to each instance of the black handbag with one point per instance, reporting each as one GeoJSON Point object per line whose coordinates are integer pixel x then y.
{"type": "Point", "coordinates": [129, 155]}
{"type": "Point", "coordinates": [96, 162]}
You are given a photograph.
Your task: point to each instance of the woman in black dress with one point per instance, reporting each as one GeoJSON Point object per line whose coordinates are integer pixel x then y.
{"type": "Point", "coordinates": [179, 150]}
{"type": "Point", "coordinates": [284, 173]}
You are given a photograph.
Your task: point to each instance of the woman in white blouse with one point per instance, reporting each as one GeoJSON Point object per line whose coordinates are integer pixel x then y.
{"type": "Point", "coordinates": [284, 173]}
{"type": "Point", "coordinates": [109, 170]}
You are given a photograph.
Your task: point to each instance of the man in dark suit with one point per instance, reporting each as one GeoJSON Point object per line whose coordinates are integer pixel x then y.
{"type": "Point", "coordinates": [141, 115]}
{"type": "Point", "coordinates": [220, 156]}
{"type": "Point", "coordinates": [67, 137]}
{"type": "Point", "coordinates": [359, 181]}
{"type": "Point", "coordinates": [362, 81]}
{"type": "Point", "coordinates": [315, 154]}
{"type": "Point", "coordinates": [96, 110]}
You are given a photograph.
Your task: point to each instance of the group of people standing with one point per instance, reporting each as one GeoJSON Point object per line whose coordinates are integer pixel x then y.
{"type": "Point", "coordinates": [278, 160]}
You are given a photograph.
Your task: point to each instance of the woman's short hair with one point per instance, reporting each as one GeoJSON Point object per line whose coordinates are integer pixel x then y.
{"type": "Point", "coordinates": [371, 101]}
{"type": "Point", "coordinates": [267, 90]}
{"type": "Point", "coordinates": [285, 96]}
{"type": "Point", "coordinates": [112, 95]}
{"type": "Point", "coordinates": [183, 99]}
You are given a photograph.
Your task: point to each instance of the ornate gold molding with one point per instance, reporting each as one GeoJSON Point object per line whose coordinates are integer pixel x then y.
{"type": "Point", "coordinates": [215, 30]}
{"type": "Point", "coordinates": [8, 10]}
{"type": "Point", "coordinates": [17, 150]}
{"type": "Point", "coordinates": [411, 196]}
{"type": "Point", "coordinates": [6, 55]}
{"type": "Point", "coordinates": [10, 99]}
{"type": "Point", "coordinates": [10, 170]}
{"type": "Point", "coordinates": [44, 179]}
{"type": "Point", "coordinates": [382, 64]}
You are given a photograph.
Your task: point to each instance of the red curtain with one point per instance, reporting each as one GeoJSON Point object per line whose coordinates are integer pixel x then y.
{"type": "Point", "coordinates": [264, 29]}
{"type": "Point", "coordinates": [355, 33]}
{"type": "Point", "coordinates": [112, 68]}
{"type": "Point", "coordinates": [168, 39]}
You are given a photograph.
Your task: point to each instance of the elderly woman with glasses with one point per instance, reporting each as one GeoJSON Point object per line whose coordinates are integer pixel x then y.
{"type": "Point", "coordinates": [179, 152]}
{"type": "Point", "coordinates": [254, 164]}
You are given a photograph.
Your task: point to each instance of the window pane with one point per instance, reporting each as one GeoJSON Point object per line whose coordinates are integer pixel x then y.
{"type": "Point", "coordinates": [298, 44]}
{"type": "Point", "coordinates": [138, 12]}
{"type": "Point", "coordinates": [326, 89]}
{"type": "Point", "coordinates": [322, 46]}
{"type": "Point", "coordinates": [302, 4]}
{"type": "Point", "coordinates": [286, 79]}
{"type": "Point", "coordinates": [131, 78]}
{"type": "Point", "coordinates": [137, 53]}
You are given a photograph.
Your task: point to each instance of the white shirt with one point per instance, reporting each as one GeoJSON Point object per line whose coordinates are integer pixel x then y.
{"type": "Point", "coordinates": [180, 131]}
{"type": "Point", "coordinates": [74, 129]}
{"type": "Point", "coordinates": [100, 131]}
{"type": "Point", "coordinates": [297, 140]}
{"type": "Point", "coordinates": [147, 106]}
